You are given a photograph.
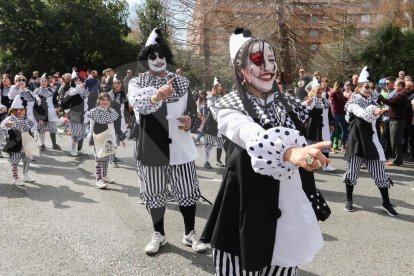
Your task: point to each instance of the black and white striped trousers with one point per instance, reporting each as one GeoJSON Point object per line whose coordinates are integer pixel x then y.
{"type": "Point", "coordinates": [182, 180]}
{"type": "Point", "coordinates": [375, 167]}
{"type": "Point", "coordinates": [227, 264]}
{"type": "Point", "coordinates": [78, 131]}
{"type": "Point", "coordinates": [15, 157]}
{"type": "Point", "coordinates": [47, 126]}
{"type": "Point", "coordinates": [212, 140]}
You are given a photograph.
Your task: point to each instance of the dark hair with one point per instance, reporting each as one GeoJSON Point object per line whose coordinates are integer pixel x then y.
{"type": "Point", "coordinates": [72, 82]}
{"type": "Point", "coordinates": [7, 76]}
{"type": "Point", "coordinates": [101, 96]}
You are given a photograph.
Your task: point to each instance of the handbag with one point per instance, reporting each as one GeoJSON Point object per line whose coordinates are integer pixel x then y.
{"type": "Point", "coordinates": [319, 205]}
{"type": "Point", "coordinates": [104, 144]}
{"type": "Point", "coordinates": [29, 145]}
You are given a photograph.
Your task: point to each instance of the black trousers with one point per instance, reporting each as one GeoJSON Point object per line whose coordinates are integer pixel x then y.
{"type": "Point", "coordinates": [396, 137]}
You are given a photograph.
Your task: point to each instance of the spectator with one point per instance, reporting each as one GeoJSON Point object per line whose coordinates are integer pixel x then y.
{"type": "Point", "coordinates": [408, 78]}
{"type": "Point", "coordinates": [92, 85]}
{"type": "Point", "coordinates": [300, 84]}
{"type": "Point", "coordinates": [126, 80]}
{"type": "Point", "coordinates": [179, 71]}
{"type": "Point", "coordinates": [338, 101]}
{"type": "Point", "coordinates": [317, 76]}
{"type": "Point", "coordinates": [34, 81]}
{"type": "Point", "coordinates": [397, 121]}
{"type": "Point", "coordinates": [401, 76]}
{"type": "Point", "coordinates": [354, 82]}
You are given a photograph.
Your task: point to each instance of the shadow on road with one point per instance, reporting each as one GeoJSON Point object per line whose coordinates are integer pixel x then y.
{"type": "Point", "coordinates": [200, 260]}
{"type": "Point", "coordinates": [367, 202]}
{"type": "Point", "coordinates": [44, 193]}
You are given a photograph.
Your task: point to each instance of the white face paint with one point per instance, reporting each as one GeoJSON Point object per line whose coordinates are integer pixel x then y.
{"type": "Point", "coordinates": [367, 89]}
{"type": "Point", "coordinates": [157, 63]}
{"type": "Point", "coordinates": [261, 69]}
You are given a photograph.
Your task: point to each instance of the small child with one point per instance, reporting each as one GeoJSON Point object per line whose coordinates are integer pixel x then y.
{"type": "Point", "coordinates": [16, 125]}
{"type": "Point", "coordinates": [102, 135]}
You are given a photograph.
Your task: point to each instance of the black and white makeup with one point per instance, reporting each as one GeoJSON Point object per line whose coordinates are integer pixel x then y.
{"type": "Point", "coordinates": [157, 62]}
{"type": "Point", "coordinates": [261, 68]}
{"type": "Point", "coordinates": [366, 89]}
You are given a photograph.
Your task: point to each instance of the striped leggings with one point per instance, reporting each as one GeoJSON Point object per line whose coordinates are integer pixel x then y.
{"type": "Point", "coordinates": [181, 178]}
{"type": "Point", "coordinates": [375, 167]}
{"type": "Point", "coordinates": [209, 142]}
{"type": "Point", "coordinates": [101, 166]}
{"type": "Point", "coordinates": [227, 264]}
{"type": "Point", "coordinates": [14, 159]}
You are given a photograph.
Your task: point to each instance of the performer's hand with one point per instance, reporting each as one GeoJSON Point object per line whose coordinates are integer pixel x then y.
{"type": "Point", "coordinates": [40, 122]}
{"type": "Point", "coordinates": [298, 156]}
{"type": "Point", "coordinates": [3, 109]}
{"type": "Point", "coordinates": [185, 122]}
{"type": "Point", "coordinates": [164, 92]}
{"type": "Point", "coordinates": [9, 124]}
{"type": "Point", "coordinates": [378, 111]}
{"type": "Point", "coordinates": [331, 128]}
{"type": "Point", "coordinates": [308, 101]}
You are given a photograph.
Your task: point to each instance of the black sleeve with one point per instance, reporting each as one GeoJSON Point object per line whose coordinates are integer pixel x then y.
{"type": "Point", "coordinates": [192, 112]}
{"type": "Point", "coordinates": [67, 102]}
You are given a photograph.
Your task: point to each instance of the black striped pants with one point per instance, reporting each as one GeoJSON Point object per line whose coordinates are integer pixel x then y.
{"type": "Point", "coordinates": [182, 180]}
{"type": "Point", "coordinates": [227, 264]}
{"type": "Point", "coordinates": [375, 167]}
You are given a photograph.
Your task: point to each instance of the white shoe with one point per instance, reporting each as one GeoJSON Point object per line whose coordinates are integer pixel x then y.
{"type": "Point", "coordinates": [73, 153]}
{"type": "Point", "coordinates": [108, 180]}
{"type": "Point", "coordinates": [27, 178]}
{"type": "Point", "coordinates": [328, 168]}
{"type": "Point", "coordinates": [100, 184]}
{"type": "Point", "coordinates": [192, 240]}
{"type": "Point", "coordinates": [155, 243]}
{"type": "Point", "coordinates": [18, 182]}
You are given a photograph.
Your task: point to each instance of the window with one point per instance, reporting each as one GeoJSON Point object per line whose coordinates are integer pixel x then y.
{"type": "Point", "coordinates": [314, 47]}
{"type": "Point", "coordinates": [314, 34]}
{"type": "Point", "coordinates": [365, 18]}
{"type": "Point", "coordinates": [314, 19]}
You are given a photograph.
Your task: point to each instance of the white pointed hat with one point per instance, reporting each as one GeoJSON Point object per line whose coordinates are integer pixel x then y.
{"type": "Point", "coordinates": [74, 75]}
{"type": "Point", "coordinates": [237, 40]}
{"type": "Point", "coordinates": [17, 103]}
{"type": "Point", "coordinates": [152, 37]}
{"type": "Point", "coordinates": [216, 81]}
{"type": "Point", "coordinates": [43, 76]}
{"type": "Point", "coordinates": [365, 75]}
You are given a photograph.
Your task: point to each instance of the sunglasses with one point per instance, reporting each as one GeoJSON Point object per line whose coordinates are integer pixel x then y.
{"type": "Point", "coordinates": [21, 80]}
{"type": "Point", "coordinates": [117, 83]}
{"type": "Point", "coordinates": [368, 87]}
{"type": "Point", "coordinates": [301, 71]}
{"type": "Point", "coordinates": [154, 56]}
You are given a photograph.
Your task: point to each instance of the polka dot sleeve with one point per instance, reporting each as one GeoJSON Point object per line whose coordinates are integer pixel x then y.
{"type": "Point", "coordinates": [139, 98]}
{"type": "Point", "coordinates": [267, 148]}
{"type": "Point", "coordinates": [367, 114]}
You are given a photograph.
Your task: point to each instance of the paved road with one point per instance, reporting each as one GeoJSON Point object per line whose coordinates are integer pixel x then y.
{"type": "Point", "coordinates": [63, 225]}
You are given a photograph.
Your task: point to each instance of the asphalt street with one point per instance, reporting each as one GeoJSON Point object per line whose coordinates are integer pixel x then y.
{"type": "Point", "coordinates": [63, 225]}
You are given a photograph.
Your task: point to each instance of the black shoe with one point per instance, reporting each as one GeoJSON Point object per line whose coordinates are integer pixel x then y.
{"type": "Point", "coordinates": [221, 165]}
{"type": "Point", "coordinates": [1, 155]}
{"type": "Point", "coordinates": [389, 209]}
{"type": "Point", "coordinates": [42, 148]}
{"type": "Point", "coordinates": [207, 165]}
{"type": "Point", "coordinates": [56, 147]}
{"type": "Point", "coordinates": [348, 206]}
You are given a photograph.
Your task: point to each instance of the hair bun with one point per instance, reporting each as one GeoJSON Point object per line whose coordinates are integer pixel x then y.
{"type": "Point", "coordinates": [238, 30]}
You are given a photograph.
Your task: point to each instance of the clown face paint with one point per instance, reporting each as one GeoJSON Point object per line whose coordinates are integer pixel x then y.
{"type": "Point", "coordinates": [157, 62]}
{"type": "Point", "coordinates": [367, 89]}
{"type": "Point", "coordinates": [261, 67]}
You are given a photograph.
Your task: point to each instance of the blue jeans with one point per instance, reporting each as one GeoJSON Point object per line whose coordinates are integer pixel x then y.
{"type": "Point", "coordinates": [340, 118]}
